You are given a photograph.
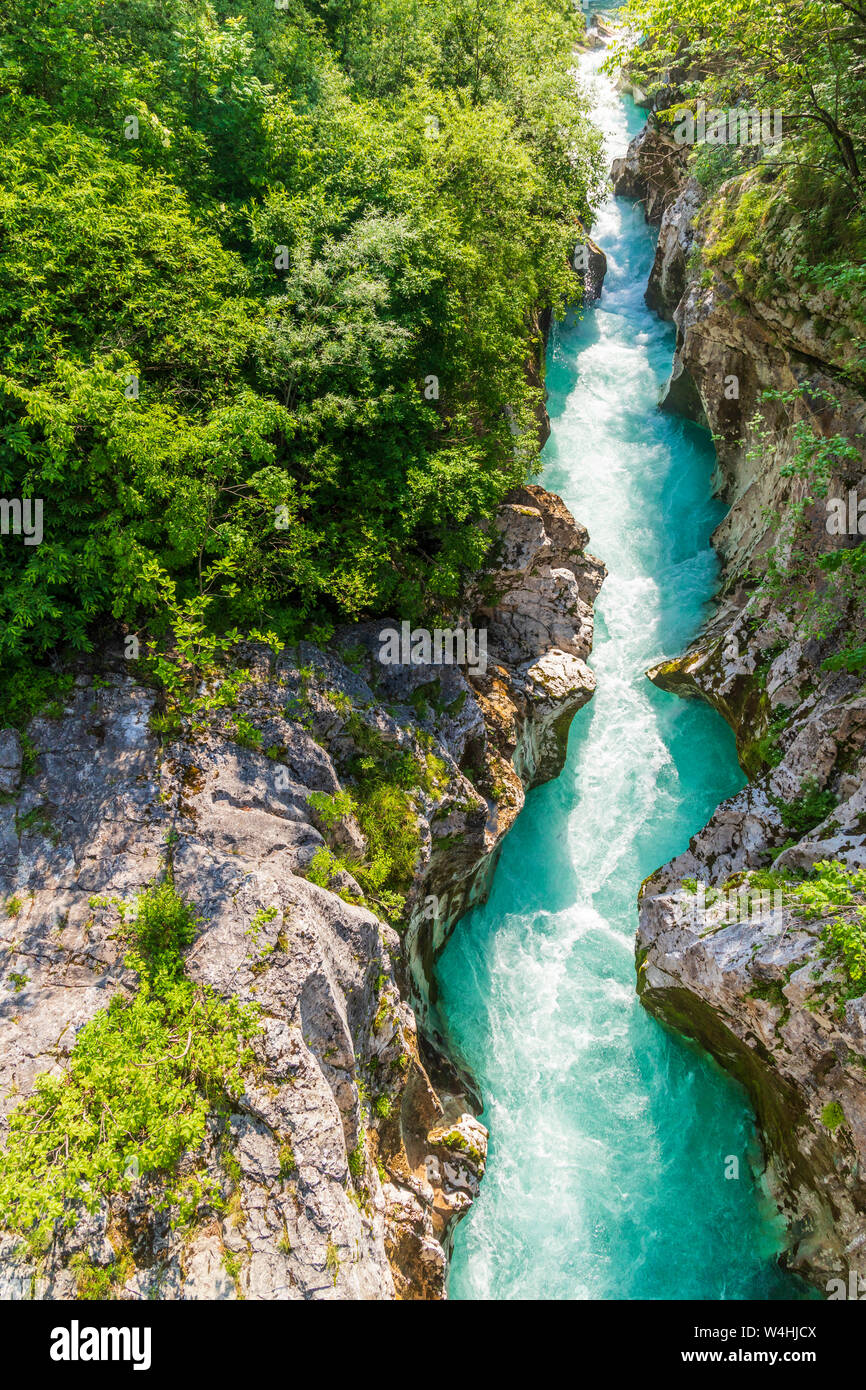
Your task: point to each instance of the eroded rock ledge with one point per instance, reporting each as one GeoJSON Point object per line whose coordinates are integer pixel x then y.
{"type": "Point", "coordinates": [385, 1152]}
{"type": "Point", "coordinates": [757, 989]}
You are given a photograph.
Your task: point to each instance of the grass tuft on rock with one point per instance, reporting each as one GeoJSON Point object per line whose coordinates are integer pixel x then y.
{"type": "Point", "coordinates": [140, 1083]}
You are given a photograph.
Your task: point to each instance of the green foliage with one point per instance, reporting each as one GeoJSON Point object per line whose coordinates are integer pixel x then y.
{"type": "Point", "coordinates": [808, 809]}
{"type": "Point", "coordinates": [814, 457]}
{"type": "Point", "coordinates": [331, 808]}
{"type": "Point", "coordinates": [341, 702]}
{"type": "Point", "coordinates": [141, 1080]}
{"type": "Point", "coordinates": [825, 594]}
{"type": "Point", "coordinates": [358, 1159]}
{"type": "Point", "coordinates": [245, 733]}
{"type": "Point", "coordinates": [323, 867]}
{"type": "Point", "coordinates": [389, 823]}
{"type": "Point", "coordinates": [831, 886]}
{"type": "Point", "coordinates": [832, 1116]}
{"type": "Point", "coordinates": [332, 1261]}
{"type": "Point", "coordinates": [787, 216]}
{"type": "Point", "coordinates": [387, 816]}
{"type": "Point", "coordinates": [766, 748]}
{"type": "Point", "coordinates": [817, 457]}
{"type": "Point", "coordinates": [713, 165]}
{"type": "Point", "coordinates": [37, 819]}
{"type": "Point", "coordinates": [161, 929]}
{"type": "Point", "coordinates": [802, 58]}
{"type": "Point", "coordinates": [768, 880]}
{"type": "Point", "coordinates": [383, 777]}
{"type": "Point", "coordinates": [26, 691]}
{"type": "Point", "coordinates": [260, 920]}
{"type": "Point", "coordinates": [739, 214]}
{"type": "Point", "coordinates": [225, 433]}
{"type": "Point", "coordinates": [92, 1281]}
{"type": "Point", "coordinates": [852, 658]}
{"type": "Point", "coordinates": [847, 938]}
{"type": "Point", "coordinates": [846, 583]}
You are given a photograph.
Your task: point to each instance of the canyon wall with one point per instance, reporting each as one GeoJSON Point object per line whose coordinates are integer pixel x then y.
{"type": "Point", "coordinates": [342, 1167]}
{"type": "Point", "coordinates": [766, 363]}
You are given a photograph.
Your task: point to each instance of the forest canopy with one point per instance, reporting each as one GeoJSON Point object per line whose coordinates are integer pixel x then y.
{"type": "Point", "coordinates": [804, 61]}
{"type": "Point", "coordinates": [271, 272]}
{"type": "Point", "coordinates": [803, 57]}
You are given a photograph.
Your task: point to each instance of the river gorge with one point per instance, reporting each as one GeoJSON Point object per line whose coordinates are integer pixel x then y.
{"type": "Point", "coordinates": [520, 956]}
{"type": "Point", "coordinates": [610, 1137]}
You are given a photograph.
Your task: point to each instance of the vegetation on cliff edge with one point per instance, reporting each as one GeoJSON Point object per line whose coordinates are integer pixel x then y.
{"type": "Point", "coordinates": [270, 278]}
{"type": "Point", "coordinates": [140, 1083]}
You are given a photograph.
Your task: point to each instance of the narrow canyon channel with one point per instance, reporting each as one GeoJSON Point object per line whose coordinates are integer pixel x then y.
{"type": "Point", "coordinates": [611, 1138]}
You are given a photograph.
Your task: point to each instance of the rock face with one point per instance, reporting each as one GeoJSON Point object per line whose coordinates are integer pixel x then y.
{"type": "Point", "coordinates": [10, 761]}
{"type": "Point", "coordinates": [354, 1146]}
{"type": "Point", "coordinates": [667, 280]}
{"type": "Point", "coordinates": [652, 170]}
{"type": "Point", "coordinates": [749, 979]}
{"type": "Point", "coordinates": [594, 268]}
{"type": "Point", "coordinates": [537, 608]}
{"type": "Point", "coordinates": [745, 328]}
{"type": "Point", "coordinates": [757, 989]}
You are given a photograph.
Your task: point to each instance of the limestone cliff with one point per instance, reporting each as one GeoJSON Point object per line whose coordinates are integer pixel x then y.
{"type": "Point", "coordinates": [765, 362]}
{"type": "Point", "coordinates": [354, 1147]}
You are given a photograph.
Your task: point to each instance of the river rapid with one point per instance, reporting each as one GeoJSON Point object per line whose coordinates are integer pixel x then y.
{"type": "Point", "coordinates": [611, 1139]}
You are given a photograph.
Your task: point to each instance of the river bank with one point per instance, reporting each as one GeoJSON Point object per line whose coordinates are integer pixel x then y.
{"type": "Point", "coordinates": [757, 984]}
{"type": "Point", "coordinates": [352, 1147]}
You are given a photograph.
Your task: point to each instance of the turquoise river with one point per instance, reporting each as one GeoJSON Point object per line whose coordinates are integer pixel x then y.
{"type": "Point", "coordinates": [608, 1135]}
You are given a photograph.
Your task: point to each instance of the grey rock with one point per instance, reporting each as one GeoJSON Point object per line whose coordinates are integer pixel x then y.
{"type": "Point", "coordinates": [667, 280]}
{"type": "Point", "coordinates": [341, 1167]}
{"type": "Point", "coordinates": [10, 761]}
{"type": "Point", "coordinates": [757, 989]}
{"type": "Point", "coordinates": [653, 169]}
